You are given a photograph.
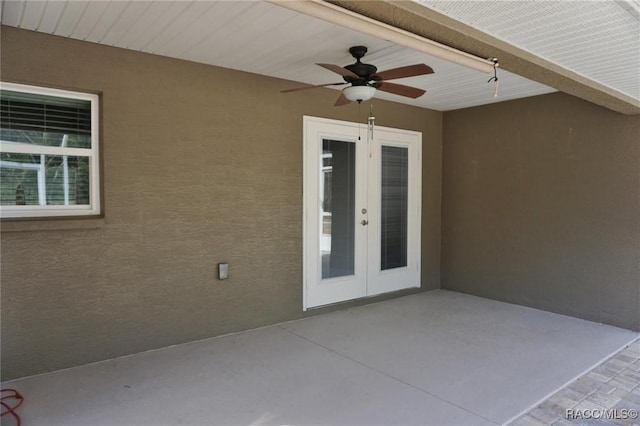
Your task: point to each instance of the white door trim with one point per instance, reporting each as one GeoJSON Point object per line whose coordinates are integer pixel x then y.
{"type": "Point", "coordinates": [367, 280]}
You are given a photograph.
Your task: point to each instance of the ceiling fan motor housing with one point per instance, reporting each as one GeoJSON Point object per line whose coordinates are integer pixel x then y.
{"type": "Point", "coordinates": [363, 71]}
{"type": "Point", "coordinates": [358, 52]}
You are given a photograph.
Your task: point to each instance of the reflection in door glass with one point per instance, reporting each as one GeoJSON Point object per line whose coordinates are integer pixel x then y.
{"type": "Point", "coordinates": [394, 207]}
{"type": "Point", "coordinates": [337, 209]}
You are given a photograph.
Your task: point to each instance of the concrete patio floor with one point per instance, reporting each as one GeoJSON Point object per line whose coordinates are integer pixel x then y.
{"type": "Point", "coordinates": [438, 358]}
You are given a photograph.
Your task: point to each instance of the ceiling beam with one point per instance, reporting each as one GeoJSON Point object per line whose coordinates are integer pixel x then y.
{"type": "Point", "coordinates": [354, 21]}
{"type": "Point", "coordinates": [420, 20]}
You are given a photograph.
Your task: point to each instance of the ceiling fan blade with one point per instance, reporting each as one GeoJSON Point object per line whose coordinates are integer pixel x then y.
{"type": "Point", "coordinates": [339, 70]}
{"type": "Point", "coordinates": [400, 89]}
{"type": "Point", "coordinates": [342, 100]}
{"type": "Point", "coordinates": [312, 87]}
{"type": "Point", "coordinates": [402, 72]}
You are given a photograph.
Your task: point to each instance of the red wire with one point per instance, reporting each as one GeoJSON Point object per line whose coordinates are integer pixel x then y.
{"type": "Point", "coordinates": [8, 409]}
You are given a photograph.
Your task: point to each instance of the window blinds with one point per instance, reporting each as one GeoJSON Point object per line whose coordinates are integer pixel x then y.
{"type": "Point", "coordinates": [33, 112]}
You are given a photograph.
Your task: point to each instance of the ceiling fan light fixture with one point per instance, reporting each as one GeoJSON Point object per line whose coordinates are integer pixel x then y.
{"type": "Point", "coordinates": [359, 93]}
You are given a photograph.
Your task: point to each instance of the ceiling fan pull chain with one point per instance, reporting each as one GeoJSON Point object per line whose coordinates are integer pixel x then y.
{"type": "Point", "coordinates": [358, 121]}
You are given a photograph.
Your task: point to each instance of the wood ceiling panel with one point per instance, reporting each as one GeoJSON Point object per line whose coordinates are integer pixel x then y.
{"type": "Point", "coordinates": [180, 25]}
{"type": "Point", "coordinates": [159, 27]}
{"type": "Point", "coordinates": [70, 18]}
{"type": "Point", "coordinates": [577, 35]}
{"type": "Point", "coordinates": [109, 18]}
{"type": "Point", "coordinates": [272, 64]}
{"type": "Point", "coordinates": [129, 19]}
{"type": "Point", "coordinates": [196, 43]}
{"type": "Point", "coordinates": [50, 16]}
{"type": "Point", "coordinates": [88, 20]}
{"type": "Point", "coordinates": [144, 25]}
{"type": "Point", "coordinates": [227, 47]}
{"type": "Point", "coordinates": [189, 32]}
{"type": "Point", "coordinates": [32, 15]}
{"type": "Point", "coordinates": [12, 13]}
{"type": "Point", "coordinates": [258, 37]}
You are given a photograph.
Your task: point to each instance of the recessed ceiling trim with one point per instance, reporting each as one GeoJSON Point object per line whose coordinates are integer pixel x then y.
{"type": "Point", "coordinates": [354, 21]}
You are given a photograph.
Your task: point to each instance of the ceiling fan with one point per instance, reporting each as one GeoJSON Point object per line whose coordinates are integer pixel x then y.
{"type": "Point", "coordinates": [364, 79]}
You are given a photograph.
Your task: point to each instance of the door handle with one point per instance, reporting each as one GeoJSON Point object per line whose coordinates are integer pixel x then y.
{"type": "Point", "coordinates": [364, 222]}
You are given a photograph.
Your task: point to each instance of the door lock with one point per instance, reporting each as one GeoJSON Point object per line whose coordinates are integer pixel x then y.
{"type": "Point", "coordinates": [364, 222]}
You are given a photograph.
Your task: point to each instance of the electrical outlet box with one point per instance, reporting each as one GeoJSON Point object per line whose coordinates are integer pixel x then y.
{"type": "Point", "coordinates": [223, 271]}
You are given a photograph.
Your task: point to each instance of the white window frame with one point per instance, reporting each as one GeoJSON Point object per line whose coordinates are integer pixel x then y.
{"type": "Point", "coordinates": [93, 209]}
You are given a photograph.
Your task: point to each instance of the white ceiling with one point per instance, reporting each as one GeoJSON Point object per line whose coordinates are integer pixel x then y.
{"type": "Point", "coordinates": [599, 40]}
{"type": "Point", "coordinates": [263, 38]}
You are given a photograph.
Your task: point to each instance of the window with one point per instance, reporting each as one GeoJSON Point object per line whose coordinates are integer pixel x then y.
{"type": "Point", "coordinates": [49, 163]}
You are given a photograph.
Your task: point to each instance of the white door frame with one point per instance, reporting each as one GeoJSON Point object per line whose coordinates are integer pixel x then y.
{"type": "Point", "coordinates": [368, 279]}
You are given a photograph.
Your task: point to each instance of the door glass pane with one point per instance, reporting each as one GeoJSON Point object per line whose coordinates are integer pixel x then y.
{"type": "Point", "coordinates": [337, 209]}
{"type": "Point", "coordinates": [393, 214]}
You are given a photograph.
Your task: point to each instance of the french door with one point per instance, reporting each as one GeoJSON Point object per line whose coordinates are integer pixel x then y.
{"type": "Point", "coordinates": [362, 200]}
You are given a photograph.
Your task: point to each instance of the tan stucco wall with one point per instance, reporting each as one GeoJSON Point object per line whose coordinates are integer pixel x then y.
{"type": "Point", "coordinates": [541, 207]}
{"type": "Point", "coordinates": [200, 165]}
{"type": "Point", "coordinates": [203, 165]}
